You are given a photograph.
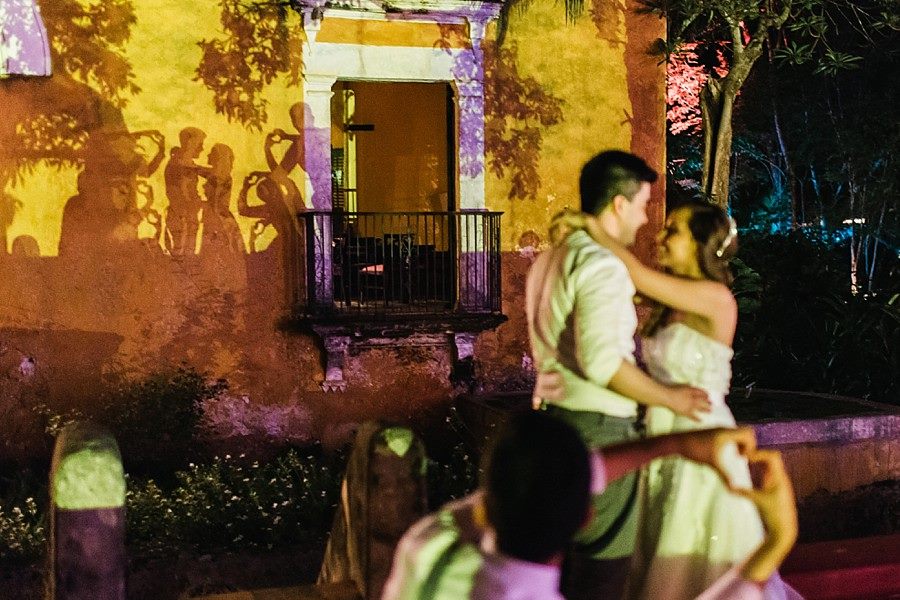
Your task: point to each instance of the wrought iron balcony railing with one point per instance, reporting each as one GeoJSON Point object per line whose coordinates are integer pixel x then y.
{"type": "Point", "coordinates": [400, 263]}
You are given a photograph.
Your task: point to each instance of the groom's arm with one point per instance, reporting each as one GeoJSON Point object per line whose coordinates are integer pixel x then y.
{"type": "Point", "coordinates": [598, 328]}
{"type": "Point", "coordinates": [630, 381]}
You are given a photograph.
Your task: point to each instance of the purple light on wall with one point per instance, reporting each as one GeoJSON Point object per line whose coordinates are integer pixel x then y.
{"type": "Point", "coordinates": [468, 71]}
{"type": "Point", "coordinates": [24, 47]}
{"type": "Point", "coordinates": [471, 135]}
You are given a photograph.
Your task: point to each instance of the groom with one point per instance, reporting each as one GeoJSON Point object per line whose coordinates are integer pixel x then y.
{"type": "Point", "coordinates": [582, 321]}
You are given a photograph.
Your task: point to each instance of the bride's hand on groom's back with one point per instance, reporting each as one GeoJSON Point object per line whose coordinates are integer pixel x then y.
{"type": "Point", "coordinates": [688, 401]}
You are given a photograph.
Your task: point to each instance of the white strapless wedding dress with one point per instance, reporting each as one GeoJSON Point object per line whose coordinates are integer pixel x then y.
{"type": "Point", "coordinates": [692, 528]}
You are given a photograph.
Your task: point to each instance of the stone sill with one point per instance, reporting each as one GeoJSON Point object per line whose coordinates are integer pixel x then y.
{"type": "Point", "coordinates": [393, 326]}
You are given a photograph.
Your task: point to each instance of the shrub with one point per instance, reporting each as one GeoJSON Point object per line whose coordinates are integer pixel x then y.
{"type": "Point", "coordinates": [156, 420]}
{"type": "Point", "coordinates": [23, 532]}
{"type": "Point", "coordinates": [800, 328]}
{"type": "Point", "coordinates": [229, 503]}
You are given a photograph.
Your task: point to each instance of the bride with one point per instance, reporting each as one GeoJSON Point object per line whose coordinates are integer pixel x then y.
{"type": "Point", "coordinates": [693, 529]}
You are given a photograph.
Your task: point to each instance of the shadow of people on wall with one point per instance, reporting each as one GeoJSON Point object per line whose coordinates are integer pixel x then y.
{"type": "Point", "coordinates": [49, 120]}
{"type": "Point", "coordinates": [182, 176]}
{"type": "Point", "coordinates": [280, 170]}
{"type": "Point", "coordinates": [277, 263]}
{"type": "Point", "coordinates": [272, 211]}
{"type": "Point", "coordinates": [9, 205]}
{"type": "Point", "coordinates": [104, 215]}
{"type": "Point", "coordinates": [25, 246]}
{"type": "Point", "coordinates": [221, 233]}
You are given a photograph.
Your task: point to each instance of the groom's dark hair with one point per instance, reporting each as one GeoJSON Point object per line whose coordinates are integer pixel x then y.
{"type": "Point", "coordinates": [609, 174]}
{"type": "Point", "coordinates": [537, 480]}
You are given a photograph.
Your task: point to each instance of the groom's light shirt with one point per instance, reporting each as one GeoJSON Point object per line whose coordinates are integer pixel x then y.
{"type": "Point", "coordinates": [581, 322]}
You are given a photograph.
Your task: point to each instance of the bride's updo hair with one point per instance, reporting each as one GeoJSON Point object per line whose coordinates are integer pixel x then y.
{"type": "Point", "coordinates": [716, 236]}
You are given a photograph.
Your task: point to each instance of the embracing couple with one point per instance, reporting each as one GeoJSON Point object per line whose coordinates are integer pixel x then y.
{"type": "Point", "coordinates": [672, 530]}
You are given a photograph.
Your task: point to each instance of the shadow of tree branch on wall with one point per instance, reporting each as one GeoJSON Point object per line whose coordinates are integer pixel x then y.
{"type": "Point", "coordinates": [257, 47]}
{"type": "Point", "coordinates": [517, 112]}
{"type": "Point", "coordinates": [605, 16]}
{"type": "Point", "coordinates": [50, 120]}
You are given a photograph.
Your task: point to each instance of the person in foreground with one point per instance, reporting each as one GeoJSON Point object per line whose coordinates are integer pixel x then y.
{"type": "Point", "coordinates": [506, 541]}
{"type": "Point", "coordinates": [692, 529]}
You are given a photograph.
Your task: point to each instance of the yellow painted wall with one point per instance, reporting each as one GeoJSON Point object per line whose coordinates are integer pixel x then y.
{"type": "Point", "coordinates": [118, 298]}
{"type": "Point", "coordinates": [588, 71]}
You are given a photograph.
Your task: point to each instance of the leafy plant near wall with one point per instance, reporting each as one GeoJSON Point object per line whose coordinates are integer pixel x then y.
{"type": "Point", "coordinates": [223, 503]}
{"type": "Point", "coordinates": [23, 534]}
{"type": "Point", "coordinates": [231, 503]}
{"type": "Point", "coordinates": [156, 420]}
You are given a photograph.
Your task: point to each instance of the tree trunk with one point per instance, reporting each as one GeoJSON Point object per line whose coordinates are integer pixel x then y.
{"type": "Point", "coordinates": [710, 113]}
{"type": "Point", "coordinates": [716, 107]}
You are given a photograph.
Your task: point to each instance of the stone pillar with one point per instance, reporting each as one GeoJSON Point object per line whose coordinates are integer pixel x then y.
{"type": "Point", "coordinates": [336, 349]}
{"type": "Point", "coordinates": [87, 516]}
{"type": "Point", "coordinates": [317, 164]}
{"type": "Point", "coordinates": [469, 75]}
{"type": "Point", "coordinates": [471, 144]}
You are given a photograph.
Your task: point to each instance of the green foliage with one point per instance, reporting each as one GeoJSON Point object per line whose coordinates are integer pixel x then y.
{"type": "Point", "coordinates": [801, 329]}
{"type": "Point", "coordinates": [832, 62]}
{"type": "Point", "coordinates": [230, 503]}
{"type": "Point", "coordinates": [156, 420]}
{"type": "Point", "coordinates": [23, 533]}
{"type": "Point", "coordinates": [747, 287]}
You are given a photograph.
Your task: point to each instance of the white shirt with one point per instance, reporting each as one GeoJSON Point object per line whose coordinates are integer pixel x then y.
{"type": "Point", "coordinates": [581, 322]}
{"type": "Point", "coordinates": [448, 556]}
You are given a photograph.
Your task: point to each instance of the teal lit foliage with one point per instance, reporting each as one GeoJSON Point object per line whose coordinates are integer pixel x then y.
{"type": "Point", "coordinates": [801, 329]}
{"type": "Point", "coordinates": [156, 420]}
{"type": "Point", "coordinates": [231, 503]}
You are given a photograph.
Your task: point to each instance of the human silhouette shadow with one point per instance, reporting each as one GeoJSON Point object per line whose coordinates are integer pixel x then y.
{"type": "Point", "coordinates": [104, 215]}
{"type": "Point", "coordinates": [221, 233]}
{"type": "Point", "coordinates": [280, 170]}
{"type": "Point", "coordinates": [9, 205]}
{"type": "Point", "coordinates": [25, 246]}
{"type": "Point", "coordinates": [272, 211]}
{"type": "Point", "coordinates": [280, 260]}
{"type": "Point", "coordinates": [182, 176]}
